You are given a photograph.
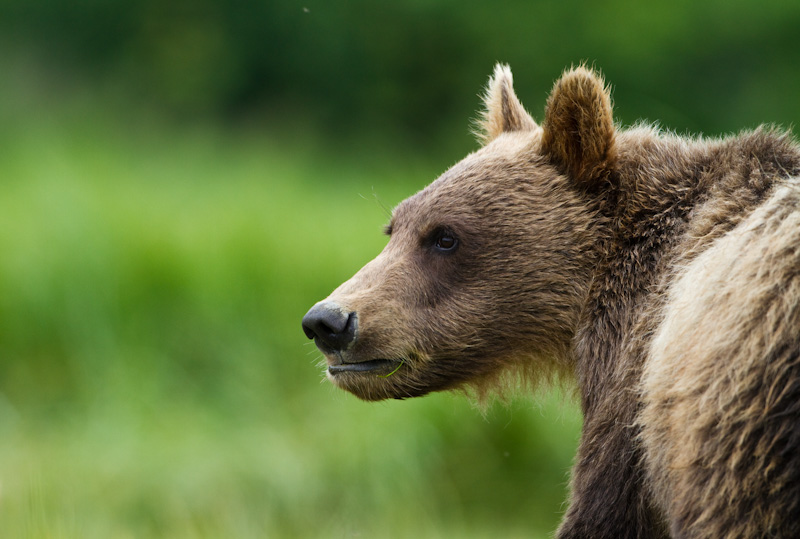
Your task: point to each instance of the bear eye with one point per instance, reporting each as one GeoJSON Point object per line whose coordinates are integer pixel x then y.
{"type": "Point", "coordinates": [446, 242]}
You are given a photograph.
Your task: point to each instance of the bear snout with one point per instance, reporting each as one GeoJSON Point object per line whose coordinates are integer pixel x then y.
{"type": "Point", "coordinates": [332, 327]}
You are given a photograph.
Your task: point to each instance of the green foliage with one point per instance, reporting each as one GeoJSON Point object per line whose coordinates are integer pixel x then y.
{"type": "Point", "coordinates": [415, 67]}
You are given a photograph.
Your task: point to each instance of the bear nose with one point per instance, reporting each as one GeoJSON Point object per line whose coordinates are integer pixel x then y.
{"type": "Point", "coordinates": [330, 326]}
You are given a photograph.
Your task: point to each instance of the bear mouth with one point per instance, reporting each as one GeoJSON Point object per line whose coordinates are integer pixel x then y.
{"type": "Point", "coordinates": [373, 365]}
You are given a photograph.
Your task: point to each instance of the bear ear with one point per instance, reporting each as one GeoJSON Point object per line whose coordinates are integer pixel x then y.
{"type": "Point", "coordinates": [579, 127]}
{"type": "Point", "coordinates": [503, 111]}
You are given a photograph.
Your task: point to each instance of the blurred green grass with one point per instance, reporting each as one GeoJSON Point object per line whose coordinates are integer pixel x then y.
{"type": "Point", "coordinates": [154, 379]}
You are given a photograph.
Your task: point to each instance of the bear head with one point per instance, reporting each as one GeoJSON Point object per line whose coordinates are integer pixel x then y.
{"type": "Point", "coordinates": [486, 269]}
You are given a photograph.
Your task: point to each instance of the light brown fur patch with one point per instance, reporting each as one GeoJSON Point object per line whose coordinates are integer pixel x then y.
{"type": "Point", "coordinates": [720, 378]}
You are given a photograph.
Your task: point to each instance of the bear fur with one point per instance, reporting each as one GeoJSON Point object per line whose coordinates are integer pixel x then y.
{"type": "Point", "coordinates": [661, 271]}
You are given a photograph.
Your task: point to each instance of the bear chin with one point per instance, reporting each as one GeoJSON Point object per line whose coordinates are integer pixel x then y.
{"type": "Point", "coordinates": [366, 386]}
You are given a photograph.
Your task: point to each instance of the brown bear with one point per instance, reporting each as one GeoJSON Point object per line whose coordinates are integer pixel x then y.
{"type": "Point", "coordinates": [661, 271]}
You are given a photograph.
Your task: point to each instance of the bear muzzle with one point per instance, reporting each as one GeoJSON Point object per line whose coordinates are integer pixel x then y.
{"type": "Point", "coordinates": [334, 330]}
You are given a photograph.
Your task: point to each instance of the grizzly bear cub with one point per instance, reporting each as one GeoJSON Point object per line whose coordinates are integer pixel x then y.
{"type": "Point", "coordinates": [661, 271]}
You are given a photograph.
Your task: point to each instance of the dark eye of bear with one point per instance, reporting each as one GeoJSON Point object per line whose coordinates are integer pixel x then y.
{"type": "Point", "coordinates": [446, 242]}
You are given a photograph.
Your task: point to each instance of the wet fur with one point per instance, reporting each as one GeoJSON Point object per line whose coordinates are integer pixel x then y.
{"type": "Point", "coordinates": [662, 271]}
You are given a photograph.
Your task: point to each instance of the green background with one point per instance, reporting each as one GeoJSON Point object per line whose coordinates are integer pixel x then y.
{"type": "Point", "coordinates": [180, 182]}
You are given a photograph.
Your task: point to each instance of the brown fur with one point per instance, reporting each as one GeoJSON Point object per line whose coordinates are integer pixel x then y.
{"type": "Point", "coordinates": [663, 271]}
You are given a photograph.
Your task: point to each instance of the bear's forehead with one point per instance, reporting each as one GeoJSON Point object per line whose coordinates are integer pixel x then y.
{"type": "Point", "coordinates": [477, 180]}
{"type": "Point", "coordinates": [452, 190]}
{"type": "Point", "coordinates": [443, 199]}
{"type": "Point", "coordinates": [455, 194]}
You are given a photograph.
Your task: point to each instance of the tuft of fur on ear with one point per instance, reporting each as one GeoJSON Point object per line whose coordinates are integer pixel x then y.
{"type": "Point", "coordinates": [579, 127]}
{"type": "Point", "coordinates": [503, 111]}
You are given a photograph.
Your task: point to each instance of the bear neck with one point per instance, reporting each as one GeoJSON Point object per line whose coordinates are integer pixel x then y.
{"type": "Point", "coordinates": [671, 197]}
